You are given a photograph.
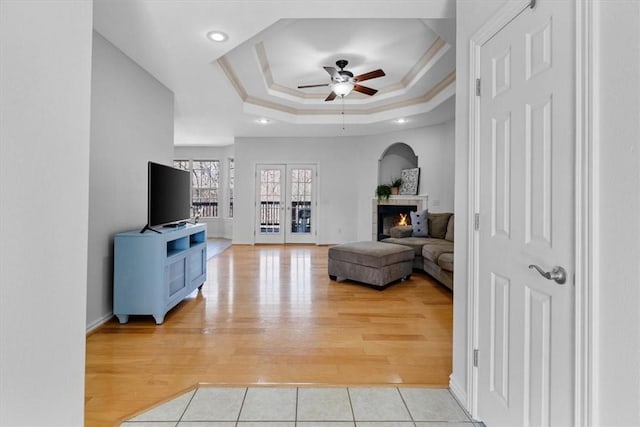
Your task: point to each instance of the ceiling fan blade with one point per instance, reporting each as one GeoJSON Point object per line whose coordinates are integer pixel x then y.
{"type": "Point", "coordinates": [370, 75]}
{"type": "Point", "coordinates": [365, 90]}
{"type": "Point", "coordinates": [332, 71]}
{"type": "Point", "coordinates": [319, 85]}
{"type": "Point", "coordinates": [331, 96]}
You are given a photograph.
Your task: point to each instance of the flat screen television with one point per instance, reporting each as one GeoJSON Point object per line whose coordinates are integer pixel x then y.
{"type": "Point", "coordinates": [168, 196]}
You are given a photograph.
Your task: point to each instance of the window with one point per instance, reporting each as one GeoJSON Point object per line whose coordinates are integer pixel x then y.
{"type": "Point", "coordinates": [181, 164]}
{"type": "Point", "coordinates": [232, 172]}
{"type": "Point", "coordinates": [205, 179]}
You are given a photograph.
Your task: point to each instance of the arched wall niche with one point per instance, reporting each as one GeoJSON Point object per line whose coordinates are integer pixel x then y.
{"type": "Point", "coordinates": [394, 159]}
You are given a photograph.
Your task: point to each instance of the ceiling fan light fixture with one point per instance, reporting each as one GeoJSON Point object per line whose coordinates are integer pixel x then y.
{"type": "Point", "coordinates": [217, 36]}
{"type": "Point", "coordinates": [342, 88]}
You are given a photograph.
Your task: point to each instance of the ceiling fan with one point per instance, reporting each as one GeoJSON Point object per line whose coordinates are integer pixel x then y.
{"type": "Point", "coordinates": [343, 81]}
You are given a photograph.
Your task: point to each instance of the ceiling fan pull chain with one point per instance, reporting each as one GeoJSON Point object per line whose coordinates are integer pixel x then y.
{"type": "Point", "coordinates": [342, 112]}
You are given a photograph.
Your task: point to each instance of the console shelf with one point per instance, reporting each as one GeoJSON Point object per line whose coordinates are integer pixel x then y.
{"type": "Point", "coordinates": [154, 272]}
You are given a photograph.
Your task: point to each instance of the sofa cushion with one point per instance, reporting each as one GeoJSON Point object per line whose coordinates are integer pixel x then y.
{"type": "Point", "coordinates": [437, 224]}
{"type": "Point", "coordinates": [372, 254]}
{"type": "Point", "coordinates": [419, 223]}
{"type": "Point", "coordinates": [401, 231]}
{"type": "Point", "coordinates": [434, 249]}
{"type": "Point", "coordinates": [445, 261]}
{"type": "Point", "coordinates": [450, 225]}
{"type": "Point", "coordinates": [415, 243]}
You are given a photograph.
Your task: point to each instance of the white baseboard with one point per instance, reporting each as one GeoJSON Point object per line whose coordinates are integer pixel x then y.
{"type": "Point", "coordinates": [460, 393]}
{"type": "Point", "coordinates": [99, 322]}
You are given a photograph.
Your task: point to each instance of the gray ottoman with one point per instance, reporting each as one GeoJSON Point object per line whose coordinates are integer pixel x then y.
{"type": "Point", "coordinates": [373, 263]}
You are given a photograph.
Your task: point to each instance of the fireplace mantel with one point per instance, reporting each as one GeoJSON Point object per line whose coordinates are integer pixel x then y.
{"type": "Point", "coordinates": [420, 201]}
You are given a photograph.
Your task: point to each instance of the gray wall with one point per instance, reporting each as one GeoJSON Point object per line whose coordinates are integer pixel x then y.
{"type": "Point", "coordinates": [337, 171]}
{"type": "Point", "coordinates": [131, 123]}
{"type": "Point", "coordinates": [45, 82]}
{"type": "Point", "coordinates": [348, 172]}
{"type": "Point", "coordinates": [617, 238]}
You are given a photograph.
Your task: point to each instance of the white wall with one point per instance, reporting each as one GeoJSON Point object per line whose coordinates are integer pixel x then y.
{"type": "Point", "coordinates": [45, 72]}
{"type": "Point", "coordinates": [470, 15]}
{"type": "Point", "coordinates": [618, 221]}
{"type": "Point", "coordinates": [222, 226]}
{"type": "Point", "coordinates": [348, 171]}
{"type": "Point", "coordinates": [131, 123]}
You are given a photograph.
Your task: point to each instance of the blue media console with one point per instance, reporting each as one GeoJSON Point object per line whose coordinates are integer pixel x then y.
{"type": "Point", "coordinates": [154, 272]}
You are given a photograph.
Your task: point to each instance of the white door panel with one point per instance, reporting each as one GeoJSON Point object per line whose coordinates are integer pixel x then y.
{"type": "Point", "coordinates": [525, 322]}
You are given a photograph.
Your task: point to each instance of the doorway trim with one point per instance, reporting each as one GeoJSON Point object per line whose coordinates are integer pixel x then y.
{"type": "Point", "coordinates": [585, 216]}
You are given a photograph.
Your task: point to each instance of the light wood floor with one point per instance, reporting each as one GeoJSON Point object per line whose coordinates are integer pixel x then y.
{"type": "Point", "coordinates": [270, 314]}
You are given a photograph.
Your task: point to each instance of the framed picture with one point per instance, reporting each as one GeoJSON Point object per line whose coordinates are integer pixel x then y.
{"type": "Point", "coordinates": [410, 180]}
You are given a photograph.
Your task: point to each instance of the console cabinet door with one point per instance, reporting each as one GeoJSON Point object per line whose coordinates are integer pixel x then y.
{"type": "Point", "coordinates": [197, 266]}
{"type": "Point", "coordinates": [176, 277]}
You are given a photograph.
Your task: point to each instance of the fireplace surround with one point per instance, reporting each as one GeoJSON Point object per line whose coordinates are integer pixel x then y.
{"type": "Point", "coordinates": [394, 206]}
{"type": "Point", "coordinates": [390, 216]}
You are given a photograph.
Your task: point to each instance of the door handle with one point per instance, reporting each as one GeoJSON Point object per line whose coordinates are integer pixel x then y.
{"type": "Point", "coordinates": [557, 274]}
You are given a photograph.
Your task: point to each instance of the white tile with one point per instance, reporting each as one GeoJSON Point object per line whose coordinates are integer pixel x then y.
{"type": "Point", "coordinates": [325, 424]}
{"type": "Point", "coordinates": [384, 424]}
{"type": "Point", "coordinates": [267, 424]}
{"type": "Point", "coordinates": [149, 424]}
{"type": "Point", "coordinates": [378, 404]}
{"type": "Point", "coordinates": [215, 404]}
{"type": "Point", "coordinates": [444, 424]}
{"type": "Point", "coordinates": [206, 424]}
{"type": "Point", "coordinates": [269, 404]}
{"type": "Point", "coordinates": [169, 411]}
{"type": "Point", "coordinates": [432, 405]}
{"type": "Point", "coordinates": [324, 404]}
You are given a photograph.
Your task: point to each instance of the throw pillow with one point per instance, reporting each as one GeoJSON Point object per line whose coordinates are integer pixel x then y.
{"type": "Point", "coordinates": [449, 235]}
{"type": "Point", "coordinates": [419, 224]}
{"type": "Point", "coordinates": [438, 224]}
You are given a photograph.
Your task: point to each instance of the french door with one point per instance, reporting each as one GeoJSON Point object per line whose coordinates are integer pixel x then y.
{"type": "Point", "coordinates": [285, 203]}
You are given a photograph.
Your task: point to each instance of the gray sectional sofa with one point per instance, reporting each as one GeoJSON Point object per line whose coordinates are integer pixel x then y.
{"type": "Point", "coordinates": [433, 254]}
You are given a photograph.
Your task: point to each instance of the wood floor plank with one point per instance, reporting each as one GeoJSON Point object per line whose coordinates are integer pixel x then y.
{"type": "Point", "coordinates": [270, 315]}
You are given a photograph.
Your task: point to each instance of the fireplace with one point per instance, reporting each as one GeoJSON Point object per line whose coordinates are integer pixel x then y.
{"type": "Point", "coordinates": [391, 215]}
{"type": "Point", "coordinates": [408, 202]}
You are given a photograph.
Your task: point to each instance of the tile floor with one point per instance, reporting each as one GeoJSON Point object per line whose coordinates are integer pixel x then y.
{"type": "Point", "coordinates": [307, 407]}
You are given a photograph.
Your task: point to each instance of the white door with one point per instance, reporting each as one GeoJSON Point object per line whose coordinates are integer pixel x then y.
{"type": "Point", "coordinates": [270, 190]}
{"type": "Point", "coordinates": [300, 210]}
{"type": "Point", "coordinates": [526, 207]}
{"type": "Point", "coordinates": [285, 203]}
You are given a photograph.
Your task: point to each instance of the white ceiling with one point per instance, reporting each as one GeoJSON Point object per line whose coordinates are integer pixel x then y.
{"type": "Point", "coordinates": [274, 46]}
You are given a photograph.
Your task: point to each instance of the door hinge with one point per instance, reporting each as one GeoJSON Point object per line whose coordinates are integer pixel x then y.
{"type": "Point", "coordinates": [477, 87]}
{"type": "Point", "coordinates": [476, 221]}
{"type": "Point", "coordinates": [475, 358]}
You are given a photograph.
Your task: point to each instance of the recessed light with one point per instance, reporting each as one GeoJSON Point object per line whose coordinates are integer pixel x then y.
{"type": "Point", "coordinates": [263, 121]}
{"type": "Point", "coordinates": [401, 121]}
{"type": "Point", "coordinates": [217, 36]}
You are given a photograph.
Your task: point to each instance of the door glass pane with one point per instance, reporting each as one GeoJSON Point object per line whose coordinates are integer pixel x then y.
{"type": "Point", "coordinates": [301, 200]}
{"type": "Point", "coordinates": [270, 197]}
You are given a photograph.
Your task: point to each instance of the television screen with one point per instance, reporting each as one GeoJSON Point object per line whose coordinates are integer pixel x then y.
{"type": "Point", "coordinates": [169, 195]}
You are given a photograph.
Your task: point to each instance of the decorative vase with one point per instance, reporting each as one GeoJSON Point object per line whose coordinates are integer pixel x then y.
{"type": "Point", "coordinates": [394, 191]}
